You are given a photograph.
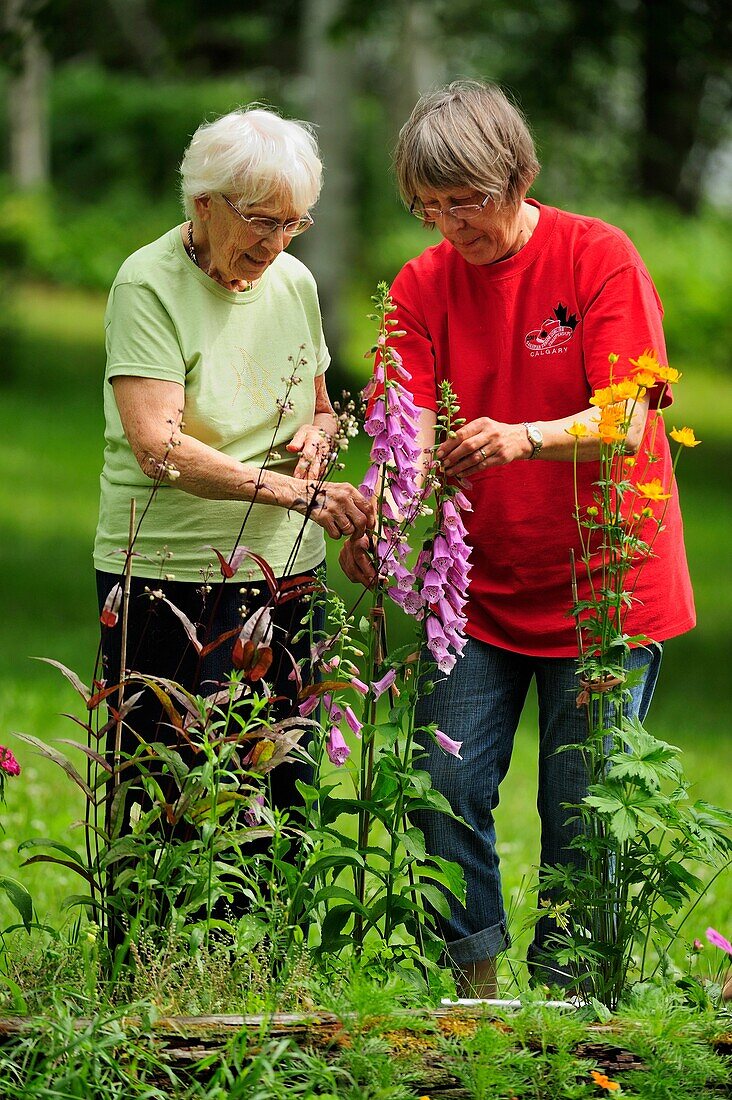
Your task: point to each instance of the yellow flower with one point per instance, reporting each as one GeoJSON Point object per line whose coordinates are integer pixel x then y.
{"type": "Point", "coordinates": [643, 378]}
{"type": "Point", "coordinates": [653, 490]}
{"type": "Point", "coordinates": [668, 374]}
{"type": "Point", "coordinates": [604, 1081]}
{"type": "Point", "coordinates": [685, 436]}
{"type": "Point", "coordinates": [611, 433]}
{"type": "Point", "coordinates": [648, 361]}
{"type": "Point", "coordinates": [630, 461]}
{"type": "Point", "coordinates": [628, 390]}
{"type": "Point", "coordinates": [603, 397]}
{"type": "Point", "coordinates": [578, 429]}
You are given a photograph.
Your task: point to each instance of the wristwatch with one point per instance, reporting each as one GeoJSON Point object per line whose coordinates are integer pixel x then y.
{"type": "Point", "coordinates": [536, 439]}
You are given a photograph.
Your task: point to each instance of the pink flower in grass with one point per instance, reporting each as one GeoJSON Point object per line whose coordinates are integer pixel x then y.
{"type": "Point", "coordinates": [447, 743]}
{"type": "Point", "coordinates": [336, 747]}
{"type": "Point", "coordinates": [8, 763]}
{"type": "Point", "coordinates": [718, 940]}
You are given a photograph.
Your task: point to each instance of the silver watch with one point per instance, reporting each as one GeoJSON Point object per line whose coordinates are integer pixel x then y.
{"type": "Point", "coordinates": [536, 439]}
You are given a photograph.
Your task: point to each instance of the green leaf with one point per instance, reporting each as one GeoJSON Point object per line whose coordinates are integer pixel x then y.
{"type": "Point", "coordinates": [55, 845]}
{"type": "Point", "coordinates": [343, 895]}
{"type": "Point", "coordinates": [19, 897]}
{"type": "Point", "coordinates": [333, 857]}
{"type": "Point", "coordinates": [413, 841]}
{"type": "Point", "coordinates": [332, 927]}
{"type": "Point", "coordinates": [20, 1006]}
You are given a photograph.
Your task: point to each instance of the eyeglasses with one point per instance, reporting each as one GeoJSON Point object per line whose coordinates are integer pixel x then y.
{"type": "Point", "coordinates": [262, 227]}
{"type": "Point", "coordinates": [428, 215]}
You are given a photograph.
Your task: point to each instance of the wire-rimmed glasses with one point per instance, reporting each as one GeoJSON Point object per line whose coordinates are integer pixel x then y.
{"type": "Point", "coordinates": [428, 215]}
{"type": "Point", "coordinates": [262, 227]}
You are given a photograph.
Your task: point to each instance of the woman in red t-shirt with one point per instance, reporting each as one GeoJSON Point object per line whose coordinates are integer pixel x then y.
{"type": "Point", "coordinates": [518, 306]}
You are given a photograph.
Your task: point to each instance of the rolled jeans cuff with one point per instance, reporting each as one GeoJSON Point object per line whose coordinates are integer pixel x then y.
{"type": "Point", "coordinates": [485, 944]}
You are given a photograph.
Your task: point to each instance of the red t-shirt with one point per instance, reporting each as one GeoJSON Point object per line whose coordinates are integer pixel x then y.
{"type": "Point", "coordinates": [528, 339]}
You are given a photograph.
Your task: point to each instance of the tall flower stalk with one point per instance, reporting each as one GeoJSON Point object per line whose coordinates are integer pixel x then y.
{"type": "Point", "coordinates": [637, 834]}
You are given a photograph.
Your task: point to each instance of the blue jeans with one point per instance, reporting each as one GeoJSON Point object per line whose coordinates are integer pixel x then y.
{"type": "Point", "coordinates": [480, 704]}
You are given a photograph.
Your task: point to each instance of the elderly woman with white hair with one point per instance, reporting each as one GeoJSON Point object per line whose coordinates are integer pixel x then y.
{"type": "Point", "coordinates": [204, 328]}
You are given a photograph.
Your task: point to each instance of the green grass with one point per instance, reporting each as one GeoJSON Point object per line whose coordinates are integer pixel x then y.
{"type": "Point", "coordinates": [50, 452]}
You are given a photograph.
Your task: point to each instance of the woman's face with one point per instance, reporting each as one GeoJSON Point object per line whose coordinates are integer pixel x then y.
{"type": "Point", "coordinates": [491, 236]}
{"type": "Point", "coordinates": [235, 251]}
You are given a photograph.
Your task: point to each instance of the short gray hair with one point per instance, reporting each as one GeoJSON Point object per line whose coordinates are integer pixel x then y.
{"type": "Point", "coordinates": [255, 154]}
{"type": "Point", "coordinates": [467, 134]}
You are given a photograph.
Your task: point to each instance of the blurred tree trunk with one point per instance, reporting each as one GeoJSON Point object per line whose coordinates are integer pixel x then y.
{"type": "Point", "coordinates": [28, 86]}
{"type": "Point", "coordinates": [329, 78]}
{"type": "Point", "coordinates": [685, 65]}
{"type": "Point", "coordinates": [419, 65]}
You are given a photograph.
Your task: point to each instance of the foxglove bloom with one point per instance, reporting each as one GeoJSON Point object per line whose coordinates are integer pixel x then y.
{"type": "Point", "coordinates": [382, 685]}
{"type": "Point", "coordinates": [336, 747]}
{"type": "Point", "coordinates": [447, 743]}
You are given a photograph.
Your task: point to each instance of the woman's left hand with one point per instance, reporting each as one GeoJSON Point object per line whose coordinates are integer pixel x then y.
{"type": "Point", "coordinates": [312, 445]}
{"type": "Point", "coordinates": [483, 443]}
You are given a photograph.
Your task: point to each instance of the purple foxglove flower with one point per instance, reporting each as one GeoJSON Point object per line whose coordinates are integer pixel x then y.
{"type": "Point", "coordinates": [442, 555]}
{"type": "Point", "coordinates": [336, 747]}
{"type": "Point", "coordinates": [380, 686]}
{"type": "Point", "coordinates": [462, 501]}
{"type": "Point", "coordinates": [376, 420]}
{"type": "Point", "coordinates": [455, 534]}
{"type": "Point", "coordinates": [353, 721]}
{"type": "Point", "coordinates": [413, 604]}
{"type": "Point", "coordinates": [334, 711]}
{"type": "Point", "coordinates": [359, 685]}
{"type": "Point", "coordinates": [718, 940]}
{"type": "Point", "coordinates": [380, 450]}
{"type": "Point", "coordinates": [448, 615]}
{"type": "Point", "coordinates": [308, 706]}
{"type": "Point", "coordinates": [253, 815]}
{"type": "Point", "coordinates": [432, 589]}
{"type": "Point", "coordinates": [370, 481]}
{"type": "Point", "coordinates": [447, 663]}
{"type": "Point", "coordinates": [447, 743]}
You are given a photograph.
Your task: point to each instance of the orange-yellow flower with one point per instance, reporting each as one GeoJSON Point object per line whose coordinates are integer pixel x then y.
{"type": "Point", "coordinates": [643, 378]}
{"type": "Point", "coordinates": [603, 397]}
{"type": "Point", "coordinates": [604, 1081]}
{"type": "Point", "coordinates": [611, 433]}
{"type": "Point", "coordinates": [628, 390]}
{"type": "Point", "coordinates": [653, 490]}
{"type": "Point", "coordinates": [578, 429]}
{"type": "Point", "coordinates": [668, 374]}
{"type": "Point", "coordinates": [685, 436]}
{"type": "Point", "coordinates": [648, 361]}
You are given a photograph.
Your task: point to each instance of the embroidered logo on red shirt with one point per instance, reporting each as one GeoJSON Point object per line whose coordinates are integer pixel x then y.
{"type": "Point", "coordinates": [555, 331]}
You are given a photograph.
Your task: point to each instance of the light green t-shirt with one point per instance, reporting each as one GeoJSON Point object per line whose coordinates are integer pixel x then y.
{"type": "Point", "coordinates": [231, 351]}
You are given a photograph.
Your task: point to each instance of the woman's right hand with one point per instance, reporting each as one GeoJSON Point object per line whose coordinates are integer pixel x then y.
{"type": "Point", "coordinates": [339, 508]}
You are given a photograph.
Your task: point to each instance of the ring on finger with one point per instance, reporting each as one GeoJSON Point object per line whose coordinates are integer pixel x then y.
{"type": "Point", "coordinates": [482, 453]}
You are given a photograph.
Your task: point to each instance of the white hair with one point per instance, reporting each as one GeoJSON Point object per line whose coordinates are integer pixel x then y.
{"type": "Point", "coordinates": [254, 154]}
